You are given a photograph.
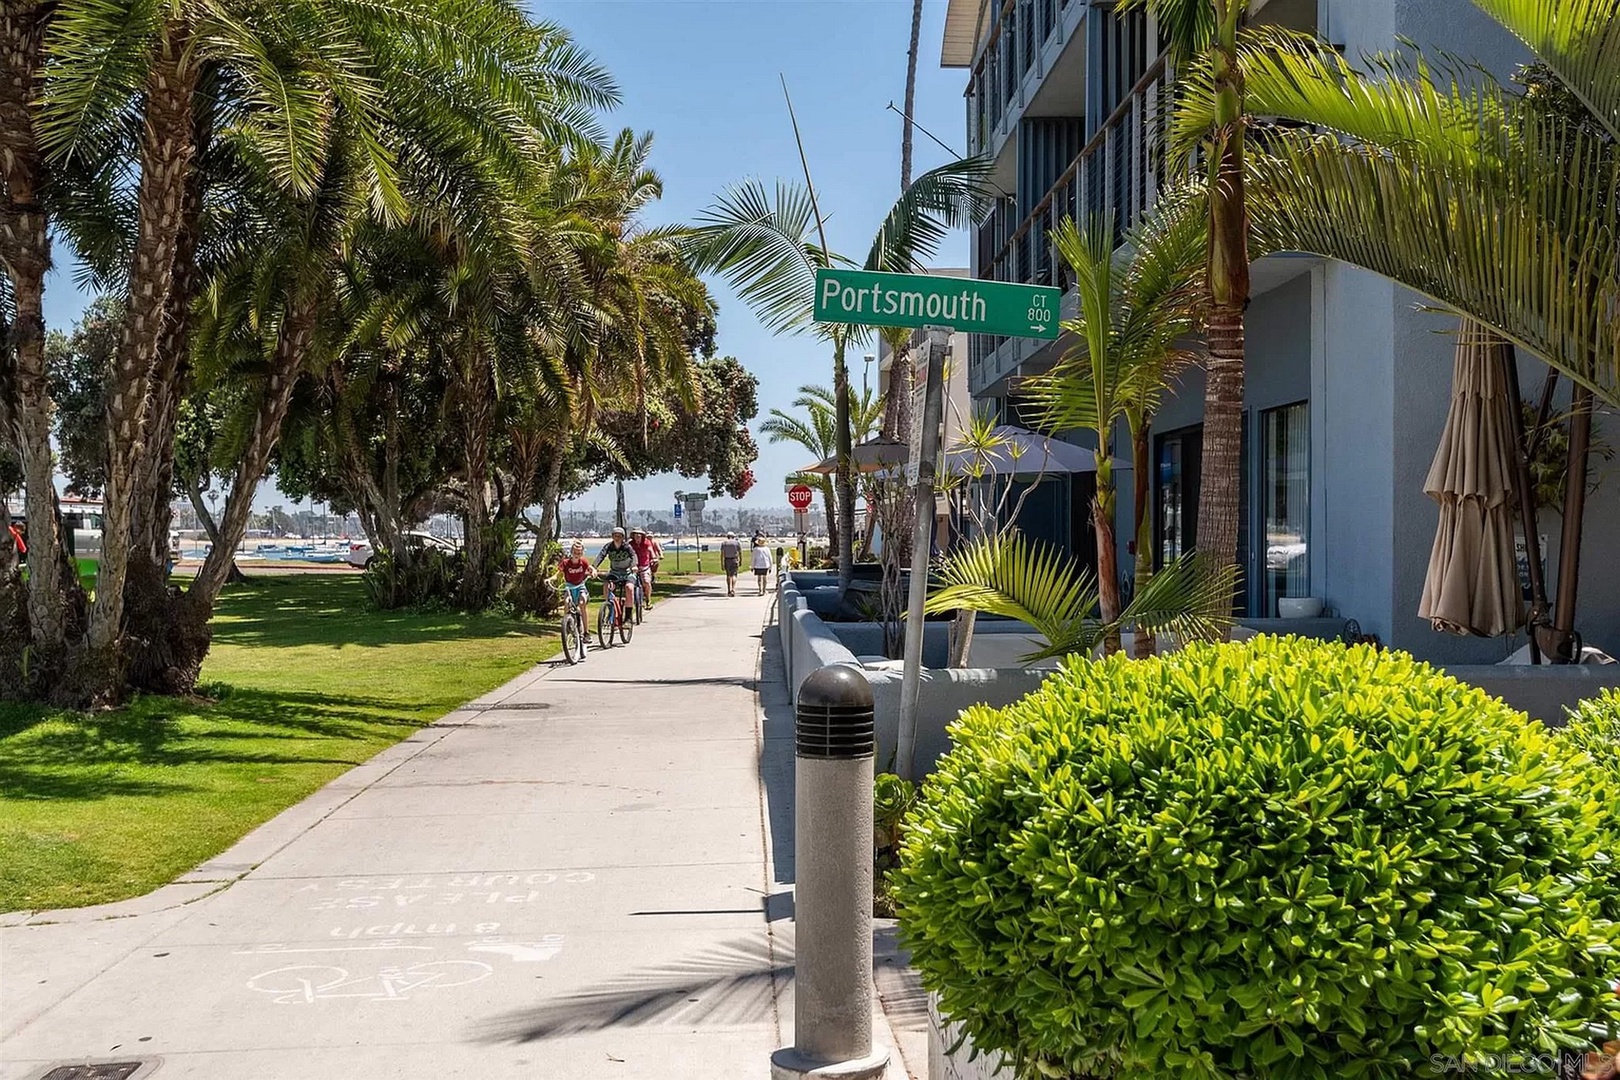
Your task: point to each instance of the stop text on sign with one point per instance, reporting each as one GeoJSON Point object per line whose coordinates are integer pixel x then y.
{"type": "Point", "coordinates": [867, 298]}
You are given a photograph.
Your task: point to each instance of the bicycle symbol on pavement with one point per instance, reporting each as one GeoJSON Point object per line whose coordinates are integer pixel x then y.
{"type": "Point", "coordinates": [305, 983]}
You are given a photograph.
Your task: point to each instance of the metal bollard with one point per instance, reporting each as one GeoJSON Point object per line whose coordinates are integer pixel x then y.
{"type": "Point", "coordinates": [832, 1004]}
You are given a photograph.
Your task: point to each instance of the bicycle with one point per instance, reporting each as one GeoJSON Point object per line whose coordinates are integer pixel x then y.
{"type": "Point", "coordinates": [573, 624]}
{"type": "Point", "coordinates": [638, 593]}
{"type": "Point", "coordinates": [612, 614]}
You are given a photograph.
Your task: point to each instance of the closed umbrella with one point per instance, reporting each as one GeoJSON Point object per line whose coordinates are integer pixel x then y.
{"type": "Point", "coordinates": [1473, 582]}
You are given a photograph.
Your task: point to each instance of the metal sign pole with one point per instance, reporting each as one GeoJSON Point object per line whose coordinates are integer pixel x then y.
{"type": "Point", "coordinates": [922, 544]}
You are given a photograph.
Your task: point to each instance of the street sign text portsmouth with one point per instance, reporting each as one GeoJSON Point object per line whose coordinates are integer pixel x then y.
{"type": "Point", "coordinates": [964, 304]}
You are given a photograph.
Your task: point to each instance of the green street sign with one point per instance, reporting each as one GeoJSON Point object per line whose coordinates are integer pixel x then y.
{"type": "Point", "coordinates": [967, 305]}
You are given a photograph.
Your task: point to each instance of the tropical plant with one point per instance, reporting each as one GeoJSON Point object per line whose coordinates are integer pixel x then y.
{"type": "Point", "coordinates": [1497, 205]}
{"type": "Point", "coordinates": [1206, 32]}
{"type": "Point", "coordinates": [1134, 310]}
{"type": "Point", "coordinates": [762, 242]}
{"type": "Point", "coordinates": [1283, 858]}
{"type": "Point", "coordinates": [239, 152]}
{"type": "Point", "coordinates": [814, 426]}
{"type": "Point", "coordinates": [1011, 575]}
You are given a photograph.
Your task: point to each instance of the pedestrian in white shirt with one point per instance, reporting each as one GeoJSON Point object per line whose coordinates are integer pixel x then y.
{"type": "Point", "coordinates": [762, 562]}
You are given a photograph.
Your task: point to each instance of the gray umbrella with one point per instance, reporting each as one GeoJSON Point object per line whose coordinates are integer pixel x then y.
{"type": "Point", "coordinates": [873, 455]}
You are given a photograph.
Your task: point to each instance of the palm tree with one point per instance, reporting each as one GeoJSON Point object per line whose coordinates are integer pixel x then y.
{"type": "Point", "coordinates": [1490, 203]}
{"type": "Point", "coordinates": [1132, 311]}
{"type": "Point", "coordinates": [476, 93]}
{"type": "Point", "coordinates": [1207, 31]}
{"type": "Point", "coordinates": [761, 241]}
{"type": "Point", "coordinates": [1008, 574]}
{"type": "Point", "coordinates": [815, 429]}
{"type": "Point", "coordinates": [911, 95]}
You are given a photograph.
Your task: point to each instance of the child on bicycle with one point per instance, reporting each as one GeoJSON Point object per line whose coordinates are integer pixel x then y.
{"type": "Point", "coordinates": [576, 571]}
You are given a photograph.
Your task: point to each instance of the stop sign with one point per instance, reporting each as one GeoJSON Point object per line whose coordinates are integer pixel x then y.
{"type": "Point", "coordinates": [799, 496]}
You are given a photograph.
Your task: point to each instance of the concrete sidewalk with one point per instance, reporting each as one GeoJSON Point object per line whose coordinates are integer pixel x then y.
{"type": "Point", "coordinates": [571, 877]}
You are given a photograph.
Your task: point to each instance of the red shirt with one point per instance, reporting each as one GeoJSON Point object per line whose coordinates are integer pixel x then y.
{"type": "Point", "coordinates": [575, 571]}
{"type": "Point", "coordinates": [644, 550]}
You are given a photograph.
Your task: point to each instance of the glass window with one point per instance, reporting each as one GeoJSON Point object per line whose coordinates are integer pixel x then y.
{"type": "Point", "coordinates": [1286, 513]}
{"type": "Point", "coordinates": [1176, 480]}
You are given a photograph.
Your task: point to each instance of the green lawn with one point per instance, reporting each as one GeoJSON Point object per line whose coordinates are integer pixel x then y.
{"type": "Point", "coordinates": [305, 684]}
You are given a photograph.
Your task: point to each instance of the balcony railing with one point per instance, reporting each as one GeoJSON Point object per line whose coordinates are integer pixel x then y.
{"type": "Point", "coordinates": [1118, 173]}
{"type": "Point", "coordinates": [1020, 30]}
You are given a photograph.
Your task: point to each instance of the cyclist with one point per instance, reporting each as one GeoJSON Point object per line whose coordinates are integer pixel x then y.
{"type": "Point", "coordinates": [647, 553]}
{"type": "Point", "coordinates": [621, 560]}
{"type": "Point", "coordinates": [576, 570]}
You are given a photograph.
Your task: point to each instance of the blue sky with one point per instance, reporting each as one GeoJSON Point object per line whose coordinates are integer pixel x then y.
{"type": "Point", "coordinates": [704, 77]}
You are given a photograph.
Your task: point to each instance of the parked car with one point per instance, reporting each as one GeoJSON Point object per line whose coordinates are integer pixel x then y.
{"type": "Point", "coordinates": [361, 554]}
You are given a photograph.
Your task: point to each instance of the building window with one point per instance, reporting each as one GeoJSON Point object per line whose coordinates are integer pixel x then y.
{"type": "Point", "coordinates": [1285, 484]}
{"type": "Point", "coordinates": [1177, 474]}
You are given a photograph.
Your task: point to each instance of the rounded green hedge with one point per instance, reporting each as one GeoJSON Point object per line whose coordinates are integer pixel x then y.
{"type": "Point", "coordinates": [1276, 859]}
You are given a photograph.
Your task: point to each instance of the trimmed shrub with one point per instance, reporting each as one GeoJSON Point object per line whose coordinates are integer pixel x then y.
{"type": "Point", "coordinates": [1594, 729]}
{"type": "Point", "coordinates": [1276, 859]}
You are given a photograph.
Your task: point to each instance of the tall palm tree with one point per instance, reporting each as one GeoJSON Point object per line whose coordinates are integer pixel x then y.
{"type": "Point", "coordinates": [477, 93]}
{"type": "Point", "coordinates": [762, 242]}
{"type": "Point", "coordinates": [911, 95]}
{"type": "Point", "coordinates": [814, 427]}
{"type": "Point", "coordinates": [1206, 31]}
{"type": "Point", "coordinates": [1486, 201]}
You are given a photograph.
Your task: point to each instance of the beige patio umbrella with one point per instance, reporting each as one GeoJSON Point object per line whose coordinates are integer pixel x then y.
{"type": "Point", "coordinates": [1473, 581]}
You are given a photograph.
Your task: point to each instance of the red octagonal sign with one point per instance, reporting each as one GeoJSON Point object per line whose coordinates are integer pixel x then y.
{"type": "Point", "coordinates": [799, 496]}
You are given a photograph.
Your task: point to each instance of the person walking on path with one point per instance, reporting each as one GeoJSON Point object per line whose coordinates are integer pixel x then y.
{"type": "Point", "coordinates": [731, 559]}
{"type": "Point", "coordinates": [762, 562]}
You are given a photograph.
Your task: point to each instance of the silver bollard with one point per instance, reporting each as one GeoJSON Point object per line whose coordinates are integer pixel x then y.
{"type": "Point", "coordinates": [832, 823]}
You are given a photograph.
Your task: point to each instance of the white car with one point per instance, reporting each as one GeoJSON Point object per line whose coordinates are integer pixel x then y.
{"type": "Point", "coordinates": [361, 554]}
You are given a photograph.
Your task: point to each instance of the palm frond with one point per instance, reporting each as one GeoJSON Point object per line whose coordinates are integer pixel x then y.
{"type": "Point", "coordinates": [759, 241]}
{"type": "Point", "coordinates": [953, 195]}
{"type": "Point", "coordinates": [1521, 243]}
{"type": "Point", "coordinates": [1018, 578]}
{"type": "Point", "coordinates": [1190, 598]}
{"type": "Point", "coordinates": [1578, 39]}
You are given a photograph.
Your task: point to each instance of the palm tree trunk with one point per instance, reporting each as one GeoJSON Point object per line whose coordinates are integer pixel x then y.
{"type": "Point", "coordinates": [166, 156]}
{"type": "Point", "coordinates": [1143, 645]}
{"type": "Point", "coordinates": [911, 95]}
{"type": "Point", "coordinates": [845, 476]}
{"type": "Point", "coordinates": [190, 632]}
{"type": "Point", "coordinates": [1218, 508]}
{"type": "Point", "coordinates": [829, 506]}
{"type": "Point", "coordinates": [1102, 521]}
{"type": "Point", "coordinates": [53, 595]}
{"type": "Point", "coordinates": [147, 596]}
{"type": "Point", "coordinates": [476, 411]}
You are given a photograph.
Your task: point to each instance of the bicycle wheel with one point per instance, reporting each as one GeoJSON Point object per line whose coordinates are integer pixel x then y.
{"type": "Point", "coordinates": [604, 624]}
{"type": "Point", "coordinates": [626, 625]}
{"type": "Point", "coordinates": [570, 638]}
{"type": "Point", "coordinates": [640, 605]}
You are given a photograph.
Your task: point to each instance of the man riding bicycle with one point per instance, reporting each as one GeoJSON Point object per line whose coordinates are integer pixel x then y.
{"type": "Point", "coordinates": [621, 560]}
{"type": "Point", "coordinates": [647, 553]}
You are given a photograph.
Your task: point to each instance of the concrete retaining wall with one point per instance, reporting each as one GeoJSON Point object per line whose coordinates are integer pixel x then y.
{"type": "Point", "coordinates": [943, 1064]}
{"type": "Point", "coordinates": [1545, 692]}
{"type": "Point", "coordinates": [942, 695]}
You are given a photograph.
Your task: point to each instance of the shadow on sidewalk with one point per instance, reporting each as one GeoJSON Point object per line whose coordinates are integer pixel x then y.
{"type": "Point", "coordinates": [776, 755]}
{"type": "Point", "coordinates": [731, 984]}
